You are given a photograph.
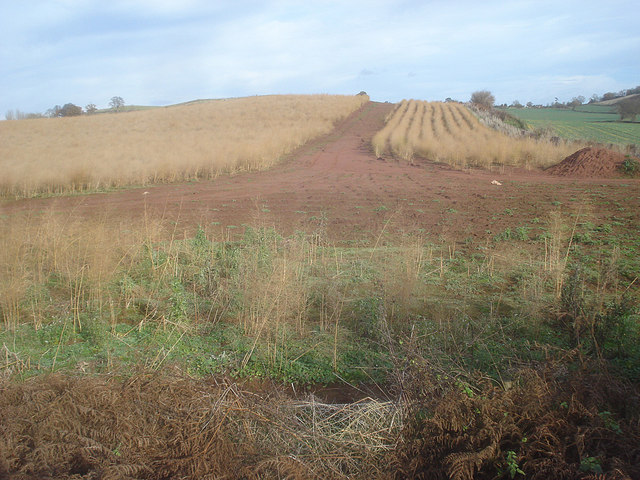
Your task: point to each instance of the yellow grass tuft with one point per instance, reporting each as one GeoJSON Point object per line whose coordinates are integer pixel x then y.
{"type": "Point", "coordinates": [450, 133]}
{"type": "Point", "coordinates": [179, 143]}
{"type": "Point", "coordinates": [81, 256]}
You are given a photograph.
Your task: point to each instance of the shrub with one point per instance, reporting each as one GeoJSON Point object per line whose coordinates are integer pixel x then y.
{"type": "Point", "coordinates": [483, 98]}
{"type": "Point", "coordinates": [629, 108]}
{"type": "Point", "coordinates": [630, 166]}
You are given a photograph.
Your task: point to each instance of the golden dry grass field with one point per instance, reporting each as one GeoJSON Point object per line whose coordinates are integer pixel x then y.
{"type": "Point", "coordinates": [178, 143]}
{"type": "Point", "coordinates": [450, 133]}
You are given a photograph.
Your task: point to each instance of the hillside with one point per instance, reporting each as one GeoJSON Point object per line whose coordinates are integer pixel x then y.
{"type": "Point", "coordinates": [615, 101]}
{"type": "Point", "coordinates": [158, 145]}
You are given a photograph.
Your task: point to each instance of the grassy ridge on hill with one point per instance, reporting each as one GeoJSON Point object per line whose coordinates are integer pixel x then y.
{"type": "Point", "coordinates": [590, 122]}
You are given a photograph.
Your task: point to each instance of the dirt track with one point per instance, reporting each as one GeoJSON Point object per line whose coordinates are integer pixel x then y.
{"type": "Point", "coordinates": [337, 181]}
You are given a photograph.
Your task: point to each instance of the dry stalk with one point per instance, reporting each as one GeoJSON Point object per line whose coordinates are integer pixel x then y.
{"type": "Point", "coordinates": [448, 132]}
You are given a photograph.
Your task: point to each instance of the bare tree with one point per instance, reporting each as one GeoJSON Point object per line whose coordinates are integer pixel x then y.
{"type": "Point", "coordinates": [483, 98]}
{"type": "Point", "coordinates": [576, 102]}
{"type": "Point", "coordinates": [116, 103]}
{"type": "Point", "coordinates": [19, 115]}
{"type": "Point", "coordinates": [53, 111]}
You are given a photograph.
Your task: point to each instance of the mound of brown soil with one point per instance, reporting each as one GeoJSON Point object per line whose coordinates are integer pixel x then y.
{"type": "Point", "coordinates": [590, 162]}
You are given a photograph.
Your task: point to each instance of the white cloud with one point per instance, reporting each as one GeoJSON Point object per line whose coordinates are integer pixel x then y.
{"type": "Point", "coordinates": [174, 50]}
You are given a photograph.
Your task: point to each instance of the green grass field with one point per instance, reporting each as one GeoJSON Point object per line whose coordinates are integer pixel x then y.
{"type": "Point", "coordinates": [590, 122]}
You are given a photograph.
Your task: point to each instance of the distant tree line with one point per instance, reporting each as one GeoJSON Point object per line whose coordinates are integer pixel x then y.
{"type": "Point", "coordinates": [18, 115]}
{"type": "Point", "coordinates": [627, 108]}
{"type": "Point", "coordinates": [67, 110]}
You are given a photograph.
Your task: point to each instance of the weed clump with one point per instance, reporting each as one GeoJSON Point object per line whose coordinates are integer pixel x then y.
{"type": "Point", "coordinates": [544, 425]}
{"type": "Point", "coordinates": [630, 166]}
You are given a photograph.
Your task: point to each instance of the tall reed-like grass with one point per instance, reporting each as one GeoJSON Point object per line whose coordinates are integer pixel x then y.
{"type": "Point", "coordinates": [178, 143]}
{"type": "Point", "coordinates": [448, 132]}
{"type": "Point", "coordinates": [54, 267]}
{"type": "Point", "coordinates": [53, 263]}
{"type": "Point", "coordinates": [110, 272]}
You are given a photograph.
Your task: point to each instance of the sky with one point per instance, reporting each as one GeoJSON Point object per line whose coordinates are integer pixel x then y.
{"type": "Point", "coordinates": [161, 52]}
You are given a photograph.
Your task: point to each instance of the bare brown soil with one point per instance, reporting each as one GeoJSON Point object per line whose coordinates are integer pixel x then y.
{"type": "Point", "coordinates": [335, 183]}
{"type": "Point", "coordinates": [590, 162]}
